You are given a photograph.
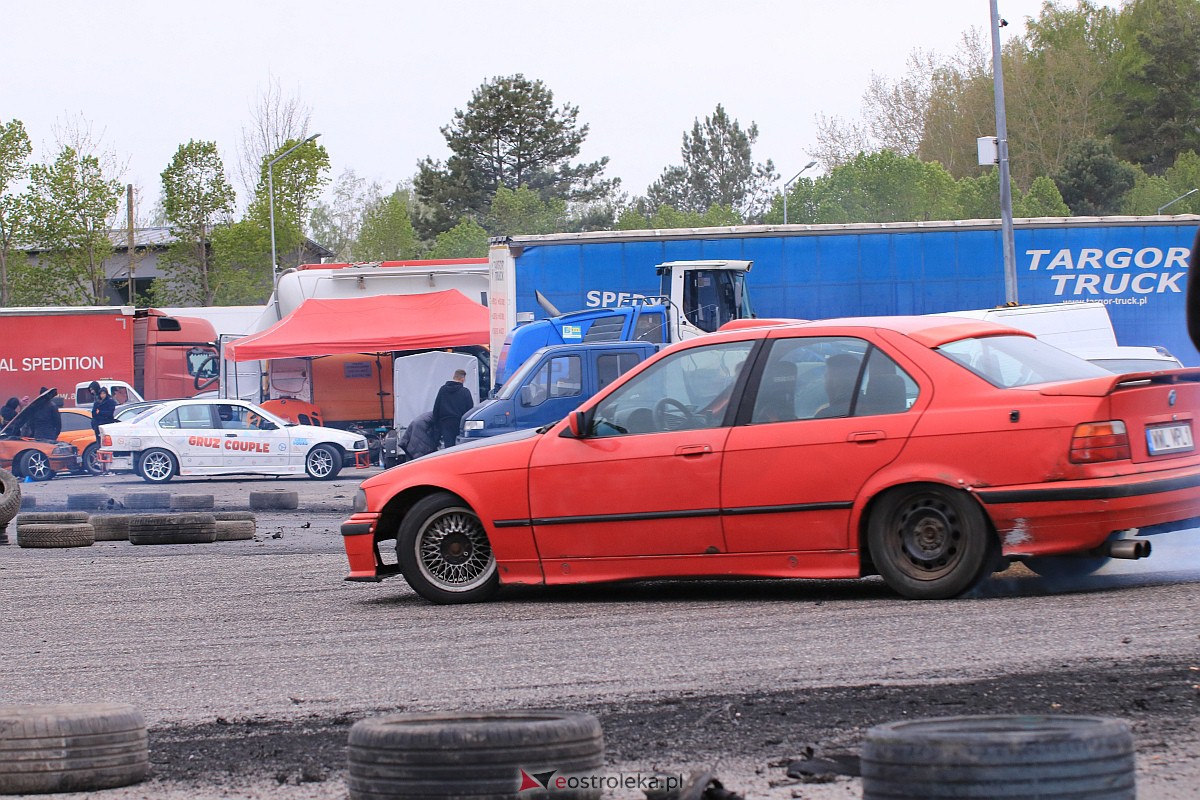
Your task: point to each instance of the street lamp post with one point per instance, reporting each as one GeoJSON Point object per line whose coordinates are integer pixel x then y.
{"type": "Point", "coordinates": [1006, 219]}
{"type": "Point", "coordinates": [807, 166]}
{"type": "Point", "coordinates": [271, 201]}
{"type": "Point", "coordinates": [1177, 199]}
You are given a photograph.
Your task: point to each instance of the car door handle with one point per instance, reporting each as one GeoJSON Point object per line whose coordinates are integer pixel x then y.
{"type": "Point", "coordinates": [866, 436]}
{"type": "Point", "coordinates": [231, 436]}
{"type": "Point", "coordinates": [693, 450]}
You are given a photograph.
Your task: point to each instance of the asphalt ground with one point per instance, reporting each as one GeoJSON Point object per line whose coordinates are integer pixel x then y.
{"type": "Point", "coordinates": [251, 659]}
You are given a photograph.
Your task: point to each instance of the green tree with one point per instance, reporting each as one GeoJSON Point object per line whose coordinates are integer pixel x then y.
{"type": "Point", "coordinates": [510, 135]}
{"type": "Point", "coordinates": [718, 170]}
{"type": "Point", "coordinates": [15, 149]}
{"type": "Point", "coordinates": [1093, 181]}
{"type": "Point", "coordinates": [1042, 200]}
{"type": "Point", "coordinates": [1152, 192]}
{"type": "Point", "coordinates": [71, 203]}
{"type": "Point", "coordinates": [523, 212]}
{"type": "Point", "coordinates": [196, 199]}
{"type": "Point", "coordinates": [387, 232]}
{"type": "Point", "coordinates": [241, 258]}
{"type": "Point", "coordinates": [1157, 86]}
{"type": "Point", "coordinates": [886, 187]}
{"type": "Point", "coordinates": [467, 239]}
{"type": "Point", "coordinates": [337, 224]}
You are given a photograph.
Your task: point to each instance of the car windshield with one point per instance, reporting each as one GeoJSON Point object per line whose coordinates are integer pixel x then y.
{"type": "Point", "coordinates": [1008, 361]}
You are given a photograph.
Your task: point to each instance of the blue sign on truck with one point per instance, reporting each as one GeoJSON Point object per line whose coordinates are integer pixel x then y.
{"type": "Point", "coordinates": [1135, 265]}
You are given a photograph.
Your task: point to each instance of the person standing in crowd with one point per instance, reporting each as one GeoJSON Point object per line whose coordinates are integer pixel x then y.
{"type": "Point", "coordinates": [47, 423]}
{"type": "Point", "coordinates": [8, 411]}
{"type": "Point", "coordinates": [420, 438]}
{"type": "Point", "coordinates": [453, 400]}
{"type": "Point", "coordinates": [104, 410]}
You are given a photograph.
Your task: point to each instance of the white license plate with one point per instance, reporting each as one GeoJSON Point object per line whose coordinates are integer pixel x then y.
{"type": "Point", "coordinates": [1169, 438]}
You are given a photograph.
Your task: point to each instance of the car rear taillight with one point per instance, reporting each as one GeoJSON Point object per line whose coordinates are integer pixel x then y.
{"type": "Point", "coordinates": [106, 441]}
{"type": "Point", "coordinates": [1099, 441]}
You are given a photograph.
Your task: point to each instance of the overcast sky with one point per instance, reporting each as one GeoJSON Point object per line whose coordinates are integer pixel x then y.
{"type": "Point", "coordinates": [382, 78]}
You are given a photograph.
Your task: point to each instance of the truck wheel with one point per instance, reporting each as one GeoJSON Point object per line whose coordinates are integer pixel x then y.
{"type": "Point", "coordinates": [157, 466]}
{"type": "Point", "coordinates": [35, 465]}
{"type": "Point", "coordinates": [91, 460]}
{"type": "Point", "coordinates": [71, 748]}
{"type": "Point", "coordinates": [444, 552]}
{"type": "Point", "coordinates": [323, 462]}
{"type": "Point", "coordinates": [929, 542]}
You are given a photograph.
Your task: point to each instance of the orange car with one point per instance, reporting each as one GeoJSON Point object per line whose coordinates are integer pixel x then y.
{"type": "Point", "coordinates": [77, 430]}
{"type": "Point", "coordinates": [929, 450]}
{"type": "Point", "coordinates": [37, 459]}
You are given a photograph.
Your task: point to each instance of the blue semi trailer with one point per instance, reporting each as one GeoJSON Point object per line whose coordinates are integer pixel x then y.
{"type": "Point", "coordinates": [1135, 265]}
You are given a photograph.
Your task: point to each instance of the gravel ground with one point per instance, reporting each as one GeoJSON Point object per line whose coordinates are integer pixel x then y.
{"type": "Point", "coordinates": [251, 659]}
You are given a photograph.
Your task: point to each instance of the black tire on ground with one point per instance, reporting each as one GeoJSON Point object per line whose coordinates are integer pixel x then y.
{"type": "Point", "coordinates": [444, 552]}
{"type": "Point", "coordinates": [10, 496]}
{"type": "Point", "coordinates": [35, 465]}
{"type": "Point", "coordinates": [471, 755]}
{"type": "Point", "coordinates": [274, 501]}
{"type": "Point", "coordinates": [232, 530]}
{"type": "Point", "coordinates": [323, 462]}
{"type": "Point", "coordinates": [157, 466]}
{"type": "Point", "coordinates": [172, 529]}
{"type": "Point", "coordinates": [29, 517]}
{"type": "Point", "coordinates": [143, 500]}
{"type": "Point", "coordinates": [193, 502]}
{"type": "Point", "coordinates": [91, 462]}
{"type": "Point", "coordinates": [996, 757]}
{"type": "Point", "coordinates": [110, 527]}
{"type": "Point", "coordinates": [55, 534]}
{"type": "Point", "coordinates": [1061, 567]}
{"type": "Point", "coordinates": [71, 748]}
{"type": "Point", "coordinates": [88, 501]}
{"type": "Point", "coordinates": [930, 542]}
{"type": "Point", "coordinates": [235, 516]}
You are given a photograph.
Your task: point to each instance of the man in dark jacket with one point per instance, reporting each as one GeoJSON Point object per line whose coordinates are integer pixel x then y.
{"type": "Point", "coordinates": [104, 410]}
{"type": "Point", "coordinates": [47, 424]}
{"type": "Point", "coordinates": [420, 438]}
{"type": "Point", "coordinates": [453, 400]}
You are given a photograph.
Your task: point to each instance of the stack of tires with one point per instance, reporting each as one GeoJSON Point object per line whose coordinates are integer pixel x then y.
{"type": "Point", "coordinates": [54, 529]}
{"type": "Point", "coordinates": [172, 529]}
{"type": "Point", "coordinates": [10, 501]}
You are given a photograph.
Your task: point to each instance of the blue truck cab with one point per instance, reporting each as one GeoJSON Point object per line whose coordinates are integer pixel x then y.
{"type": "Point", "coordinates": [552, 383]}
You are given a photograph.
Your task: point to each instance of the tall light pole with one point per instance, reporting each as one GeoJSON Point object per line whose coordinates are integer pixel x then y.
{"type": "Point", "coordinates": [271, 201]}
{"type": "Point", "coordinates": [1006, 221]}
{"type": "Point", "coordinates": [807, 166]}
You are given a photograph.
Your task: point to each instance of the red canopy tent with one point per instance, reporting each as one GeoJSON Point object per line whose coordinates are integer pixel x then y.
{"type": "Point", "coordinates": [368, 325]}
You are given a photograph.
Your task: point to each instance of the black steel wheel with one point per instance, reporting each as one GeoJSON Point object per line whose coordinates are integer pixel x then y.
{"type": "Point", "coordinates": [930, 542]}
{"type": "Point", "coordinates": [444, 552]}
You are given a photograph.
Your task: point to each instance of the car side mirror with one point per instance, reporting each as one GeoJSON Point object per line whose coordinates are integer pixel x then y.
{"type": "Point", "coordinates": [579, 424]}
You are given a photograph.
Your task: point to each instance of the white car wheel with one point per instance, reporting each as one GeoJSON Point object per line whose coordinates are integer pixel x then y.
{"type": "Point", "coordinates": [323, 462]}
{"type": "Point", "coordinates": [156, 466]}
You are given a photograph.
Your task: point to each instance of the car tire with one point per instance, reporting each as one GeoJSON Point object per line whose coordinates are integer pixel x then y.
{"type": "Point", "coordinates": [148, 500]}
{"type": "Point", "coordinates": [110, 527]}
{"type": "Point", "coordinates": [71, 748]}
{"type": "Point", "coordinates": [157, 466]}
{"type": "Point", "coordinates": [192, 502]}
{"type": "Point", "coordinates": [1064, 567]}
{"type": "Point", "coordinates": [172, 529]}
{"type": "Point", "coordinates": [35, 465]}
{"type": "Point", "coordinates": [1000, 756]}
{"type": "Point", "coordinates": [323, 462]}
{"type": "Point", "coordinates": [10, 496]}
{"type": "Point", "coordinates": [235, 525]}
{"type": "Point", "coordinates": [34, 517]}
{"type": "Point", "coordinates": [91, 460]}
{"type": "Point", "coordinates": [930, 542]}
{"type": "Point", "coordinates": [471, 755]}
{"type": "Point", "coordinates": [51, 534]}
{"type": "Point", "coordinates": [444, 552]}
{"type": "Point", "coordinates": [275, 501]}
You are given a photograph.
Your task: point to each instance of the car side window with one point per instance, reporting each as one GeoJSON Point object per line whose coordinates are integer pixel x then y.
{"type": "Point", "coordinates": [688, 390]}
{"type": "Point", "coordinates": [237, 418]}
{"type": "Point", "coordinates": [188, 417]}
{"type": "Point", "coordinates": [828, 377]}
{"type": "Point", "coordinates": [561, 376]}
{"type": "Point", "coordinates": [75, 422]}
{"type": "Point", "coordinates": [611, 366]}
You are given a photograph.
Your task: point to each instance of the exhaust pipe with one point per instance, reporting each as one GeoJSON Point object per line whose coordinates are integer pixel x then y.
{"type": "Point", "coordinates": [1127, 548]}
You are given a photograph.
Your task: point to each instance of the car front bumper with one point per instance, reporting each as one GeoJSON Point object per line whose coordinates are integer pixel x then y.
{"type": "Point", "coordinates": [366, 563]}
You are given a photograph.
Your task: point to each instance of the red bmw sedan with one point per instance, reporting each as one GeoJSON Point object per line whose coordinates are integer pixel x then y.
{"type": "Point", "coordinates": [932, 451]}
